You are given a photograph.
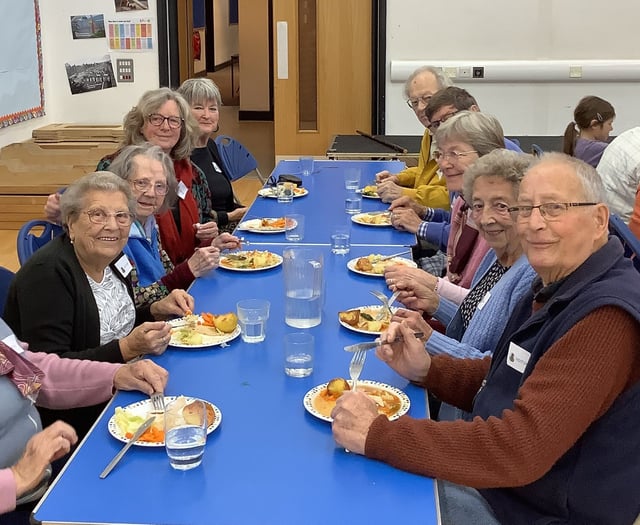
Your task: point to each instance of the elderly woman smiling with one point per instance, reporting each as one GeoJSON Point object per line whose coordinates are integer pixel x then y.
{"type": "Point", "coordinates": [73, 296]}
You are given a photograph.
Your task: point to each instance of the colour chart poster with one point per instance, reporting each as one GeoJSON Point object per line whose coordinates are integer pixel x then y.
{"type": "Point", "coordinates": [135, 34]}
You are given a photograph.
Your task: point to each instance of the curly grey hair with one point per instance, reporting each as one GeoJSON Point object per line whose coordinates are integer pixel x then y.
{"type": "Point", "coordinates": [509, 166]}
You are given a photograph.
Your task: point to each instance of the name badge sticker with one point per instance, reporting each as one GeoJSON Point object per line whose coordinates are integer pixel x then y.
{"type": "Point", "coordinates": [123, 265]}
{"type": "Point", "coordinates": [12, 342]}
{"type": "Point", "coordinates": [216, 167]}
{"type": "Point", "coordinates": [182, 190]}
{"type": "Point", "coordinates": [484, 300]}
{"type": "Point", "coordinates": [517, 357]}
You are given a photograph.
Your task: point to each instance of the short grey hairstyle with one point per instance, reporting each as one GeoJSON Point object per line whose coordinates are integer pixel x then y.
{"type": "Point", "coordinates": [589, 178]}
{"type": "Point", "coordinates": [125, 167]}
{"type": "Point", "coordinates": [72, 201]}
{"type": "Point", "coordinates": [442, 79]}
{"type": "Point", "coordinates": [149, 103]}
{"type": "Point", "coordinates": [509, 166]}
{"type": "Point", "coordinates": [481, 131]}
{"type": "Point", "coordinates": [200, 91]}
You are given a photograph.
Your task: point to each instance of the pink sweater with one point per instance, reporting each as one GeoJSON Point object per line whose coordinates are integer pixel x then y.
{"type": "Point", "coordinates": [67, 383]}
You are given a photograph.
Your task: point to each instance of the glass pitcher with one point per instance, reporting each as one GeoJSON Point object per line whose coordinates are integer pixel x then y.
{"type": "Point", "coordinates": [303, 287]}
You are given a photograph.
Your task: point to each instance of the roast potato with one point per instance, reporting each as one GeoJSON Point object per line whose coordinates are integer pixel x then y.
{"type": "Point", "coordinates": [336, 387]}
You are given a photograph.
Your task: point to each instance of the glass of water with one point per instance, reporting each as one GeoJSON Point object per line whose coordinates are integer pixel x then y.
{"type": "Point", "coordinates": [252, 317]}
{"type": "Point", "coordinates": [341, 240]}
{"type": "Point", "coordinates": [352, 178]}
{"type": "Point", "coordinates": [185, 432]}
{"type": "Point", "coordinates": [298, 354]}
{"type": "Point", "coordinates": [353, 202]}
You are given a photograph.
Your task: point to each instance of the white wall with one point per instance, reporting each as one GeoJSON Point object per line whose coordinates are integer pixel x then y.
{"type": "Point", "coordinates": [98, 107]}
{"type": "Point", "coordinates": [473, 31]}
{"type": "Point", "coordinates": [225, 36]}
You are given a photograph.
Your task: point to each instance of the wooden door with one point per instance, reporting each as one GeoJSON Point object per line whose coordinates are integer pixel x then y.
{"type": "Point", "coordinates": [322, 72]}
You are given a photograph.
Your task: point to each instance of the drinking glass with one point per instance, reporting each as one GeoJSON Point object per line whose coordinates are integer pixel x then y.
{"type": "Point", "coordinates": [252, 317]}
{"type": "Point", "coordinates": [306, 165]}
{"type": "Point", "coordinates": [294, 229]}
{"type": "Point", "coordinates": [353, 202]}
{"type": "Point", "coordinates": [341, 240]}
{"type": "Point", "coordinates": [352, 178]}
{"type": "Point", "coordinates": [285, 192]}
{"type": "Point", "coordinates": [185, 432]}
{"type": "Point", "coordinates": [298, 354]}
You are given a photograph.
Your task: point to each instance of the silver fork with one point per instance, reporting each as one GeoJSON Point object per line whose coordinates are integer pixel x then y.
{"type": "Point", "coordinates": [386, 303]}
{"type": "Point", "coordinates": [355, 367]}
{"type": "Point", "coordinates": [157, 403]}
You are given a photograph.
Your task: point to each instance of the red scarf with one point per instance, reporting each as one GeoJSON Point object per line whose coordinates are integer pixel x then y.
{"type": "Point", "coordinates": [25, 375]}
{"type": "Point", "coordinates": [180, 245]}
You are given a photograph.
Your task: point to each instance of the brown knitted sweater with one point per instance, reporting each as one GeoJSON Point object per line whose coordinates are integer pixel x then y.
{"type": "Point", "coordinates": [572, 385]}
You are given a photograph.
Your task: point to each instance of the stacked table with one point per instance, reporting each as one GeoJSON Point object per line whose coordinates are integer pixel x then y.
{"type": "Point", "coordinates": [270, 462]}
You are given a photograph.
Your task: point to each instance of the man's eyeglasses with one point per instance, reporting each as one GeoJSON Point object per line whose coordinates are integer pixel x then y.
{"type": "Point", "coordinates": [158, 120]}
{"type": "Point", "coordinates": [453, 156]}
{"type": "Point", "coordinates": [549, 210]}
{"type": "Point", "coordinates": [123, 218]}
{"type": "Point", "coordinates": [499, 208]}
{"type": "Point", "coordinates": [144, 184]}
{"type": "Point", "coordinates": [435, 124]}
{"type": "Point", "coordinates": [414, 103]}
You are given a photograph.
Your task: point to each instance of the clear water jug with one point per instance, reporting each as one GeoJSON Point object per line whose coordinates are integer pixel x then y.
{"type": "Point", "coordinates": [303, 287]}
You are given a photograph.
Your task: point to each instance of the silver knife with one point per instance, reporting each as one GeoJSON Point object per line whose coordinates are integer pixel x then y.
{"type": "Point", "coordinates": [393, 256]}
{"type": "Point", "coordinates": [373, 344]}
{"type": "Point", "coordinates": [119, 455]}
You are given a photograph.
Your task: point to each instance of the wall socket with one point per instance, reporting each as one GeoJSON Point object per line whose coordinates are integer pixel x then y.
{"type": "Point", "coordinates": [124, 69]}
{"type": "Point", "coordinates": [478, 72]}
{"type": "Point", "coordinates": [464, 72]}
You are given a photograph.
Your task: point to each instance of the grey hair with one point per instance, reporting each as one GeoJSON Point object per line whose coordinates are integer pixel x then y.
{"type": "Point", "coordinates": [590, 181]}
{"type": "Point", "coordinates": [200, 91]}
{"type": "Point", "coordinates": [509, 166]}
{"type": "Point", "coordinates": [481, 131]}
{"type": "Point", "coordinates": [72, 201]}
{"type": "Point", "coordinates": [149, 103]}
{"type": "Point", "coordinates": [125, 167]}
{"type": "Point", "coordinates": [442, 79]}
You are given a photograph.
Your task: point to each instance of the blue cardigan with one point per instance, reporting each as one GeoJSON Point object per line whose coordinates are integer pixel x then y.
{"type": "Point", "coordinates": [488, 321]}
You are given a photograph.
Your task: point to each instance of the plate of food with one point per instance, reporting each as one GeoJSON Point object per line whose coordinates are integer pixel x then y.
{"type": "Point", "coordinates": [376, 218]}
{"type": "Point", "coordinates": [267, 225]}
{"type": "Point", "coordinates": [370, 192]}
{"type": "Point", "coordinates": [126, 420]}
{"type": "Point", "coordinates": [250, 261]}
{"type": "Point", "coordinates": [272, 192]}
{"type": "Point", "coordinates": [204, 330]}
{"type": "Point", "coordinates": [364, 319]}
{"type": "Point", "coordinates": [391, 401]}
{"type": "Point", "coordinates": [374, 265]}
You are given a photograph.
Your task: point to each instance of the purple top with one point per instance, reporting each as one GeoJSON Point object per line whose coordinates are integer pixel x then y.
{"type": "Point", "coordinates": [589, 150]}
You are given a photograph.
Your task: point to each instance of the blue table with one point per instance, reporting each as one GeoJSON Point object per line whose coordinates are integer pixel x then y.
{"type": "Point", "coordinates": [270, 462]}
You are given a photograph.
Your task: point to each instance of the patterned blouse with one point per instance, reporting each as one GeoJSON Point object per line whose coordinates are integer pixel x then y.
{"type": "Point", "coordinates": [479, 292]}
{"type": "Point", "coordinates": [115, 307]}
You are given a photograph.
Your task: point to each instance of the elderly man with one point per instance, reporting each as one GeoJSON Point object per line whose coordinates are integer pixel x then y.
{"type": "Point", "coordinates": [421, 183]}
{"type": "Point", "coordinates": [555, 434]}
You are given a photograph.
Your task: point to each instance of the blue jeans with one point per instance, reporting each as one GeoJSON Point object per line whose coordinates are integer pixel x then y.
{"type": "Point", "coordinates": [463, 506]}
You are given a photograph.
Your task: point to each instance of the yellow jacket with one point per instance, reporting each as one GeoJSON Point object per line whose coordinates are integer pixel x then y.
{"type": "Point", "coordinates": [422, 182]}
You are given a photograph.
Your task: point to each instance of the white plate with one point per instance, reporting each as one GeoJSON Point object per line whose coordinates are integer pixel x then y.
{"type": "Point", "coordinates": [357, 218]}
{"type": "Point", "coordinates": [207, 340]}
{"type": "Point", "coordinates": [368, 307]}
{"type": "Point", "coordinates": [271, 192]}
{"type": "Point", "coordinates": [142, 409]}
{"type": "Point", "coordinates": [311, 395]}
{"type": "Point", "coordinates": [396, 260]}
{"type": "Point", "coordinates": [365, 196]}
{"type": "Point", "coordinates": [274, 265]}
{"type": "Point", "coordinates": [255, 225]}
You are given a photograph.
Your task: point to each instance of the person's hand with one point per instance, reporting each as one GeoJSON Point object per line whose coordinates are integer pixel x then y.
{"type": "Point", "coordinates": [405, 219]}
{"type": "Point", "coordinates": [143, 375]}
{"type": "Point", "coordinates": [43, 448]}
{"type": "Point", "coordinates": [52, 208]}
{"type": "Point", "coordinates": [388, 190]}
{"type": "Point", "coordinates": [407, 357]}
{"type": "Point", "coordinates": [384, 175]}
{"type": "Point", "coordinates": [352, 417]}
{"type": "Point", "coordinates": [148, 338]}
{"type": "Point", "coordinates": [177, 303]}
{"type": "Point", "coordinates": [416, 287]}
{"type": "Point", "coordinates": [407, 202]}
{"type": "Point", "coordinates": [414, 320]}
{"type": "Point", "coordinates": [236, 214]}
{"type": "Point", "coordinates": [226, 241]}
{"type": "Point", "coordinates": [206, 231]}
{"type": "Point", "coordinates": [204, 260]}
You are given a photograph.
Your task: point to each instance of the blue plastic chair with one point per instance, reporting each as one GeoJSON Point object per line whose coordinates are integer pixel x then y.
{"type": "Point", "coordinates": [536, 150]}
{"type": "Point", "coordinates": [28, 240]}
{"type": "Point", "coordinates": [237, 159]}
{"type": "Point", "coordinates": [630, 242]}
{"type": "Point", "coordinates": [6, 276]}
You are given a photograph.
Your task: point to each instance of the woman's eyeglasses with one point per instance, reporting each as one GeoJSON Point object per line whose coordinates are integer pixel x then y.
{"type": "Point", "coordinates": [158, 120]}
{"type": "Point", "coordinates": [144, 184]}
{"type": "Point", "coordinates": [123, 218]}
{"type": "Point", "coordinates": [453, 156]}
{"type": "Point", "coordinates": [549, 210]}
{"type": "Point", "coordinates": [498, 208]}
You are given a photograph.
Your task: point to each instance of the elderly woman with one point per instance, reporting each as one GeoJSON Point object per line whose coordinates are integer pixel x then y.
{"type": "Point", "coordinates": [149, 171]}
{"type": "Point", "coordinates": [162, 117]}
{"type": "Point", "coordinates": [73, 296]}
{"type": "Point", "coordinates": [204, 98]}
{"type": "Point", "coordinates": [35, 378]}
{"type": "Point", "coordinates": [555, 428]}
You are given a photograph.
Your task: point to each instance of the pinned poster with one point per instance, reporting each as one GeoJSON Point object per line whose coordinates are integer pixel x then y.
{"type": "Point", "coordinates": [135, 34]}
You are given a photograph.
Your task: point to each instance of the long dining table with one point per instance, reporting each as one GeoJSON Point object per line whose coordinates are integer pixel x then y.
{"type": "Point", "coordinates": [270, 461]}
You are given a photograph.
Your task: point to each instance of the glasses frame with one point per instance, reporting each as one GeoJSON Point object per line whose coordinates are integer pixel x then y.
{"type": "Point", "coordinates": [171, 123]}
{"type": "Point", "coordinates": [414, 103]}
{"type": "Point", "coordinates": [543, 208]}
{"type": "Point", "coordinates": [453, 155]}
{"type": "Point", "coordinates": [144, 184]}
{"type": "Point", "coordinates": [117, 216]}
{"type": "Point", "coordinates": [477, 211]}
{"type": "Point", "coordinates": [435, 124]}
